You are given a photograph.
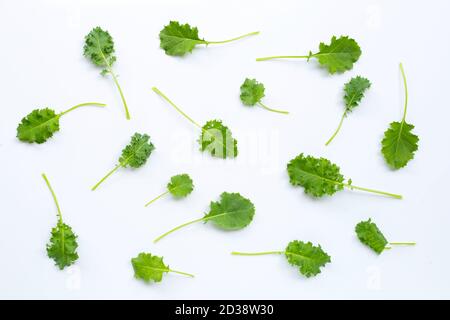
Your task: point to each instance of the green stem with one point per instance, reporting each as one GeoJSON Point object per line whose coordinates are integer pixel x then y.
{"type": "Point", "coordinates": [337, 130]}
{"type": "Point", "coordinates": [393, 195]}
{"type": "Point", "coordinates": [402, 243]}
{"type": "Point", "coordinates": [283, 57]}
{"type": "Point", "coordinates": [406, 92]}
{"type": "Point", "coordinates": [181, 272]}
{"type": "Point", "coordinates": [96, 104]}
{"type": "Point", "coordinates": [256, 253]}
{"type": "Point", "coordinates": [270, 109]}
{"type": "Point", "coordinates": [177, 228]}
{"type": "Point", "coordinates": [54, 198]}
{"type": "Point", "coordinates": [106, 176]}
{"type": "Point", "coordinates": [156, 90]}
{"type": "Point", "coordinates": [127, 113]}
{"type": "Point", "coordinates": [233, 39]}
{"type": "Point", "coordinates": [153, 200]}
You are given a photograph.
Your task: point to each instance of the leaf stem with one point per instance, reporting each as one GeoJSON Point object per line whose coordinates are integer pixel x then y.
{"type": "Point", "coordinates": [181, 272]}
{"type": "Point", "coordinates": [127, 112]}
{"type": "Point", "coordinates": [402, 243]}
{"type": "Point", "coordinates": [270, 109]}
{"type": "Point", "coordinates": [153, 200]}
{"type": "Point", "coordinates": [406, 92]}
{"type": "Point", "coordinates": [393, 195]}
{"type": "Point", "coordinates": [235, 253]}
{"type": "Point", "coordinates": [96, 104]}
{"type": "Point", "coordinates": [284, 57]}
{"type": "Point", "coordinates": [106, 176]}
{"type": "Point", "coordinates": [337, 129]}
{"type": "Point", "coordinates": [157, 91]}
{"type": "Point", "coordinates": [54, 198]}
{"type": "Point", "coordinates": [233, 39]}
{"type": "Point", "coordinates": [177, 228]}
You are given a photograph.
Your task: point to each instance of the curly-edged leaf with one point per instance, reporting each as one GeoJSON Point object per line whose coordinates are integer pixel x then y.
{"type": "Point", "coordinates": [180, 185]}
{"type": "Point", "coordinates": [339, 55]}
{"type": "Point", "coordinates": [62, 246]}
{"type": "Point", "coordinates": [38, 126]}
{"type": "Point", "coordinates": [399, 144]}
{"type": "Point", "coordinates": [99, 48]}
{"type": "Point", "coordinates": [217, 139]}
{"type": "Point", "coordinates": [251, 92]}
{"type": "Point", "coordinates": [318, 176]}
{"type": "Point", "coordinates": [148, 267]}
{"type": "Point", "coordinates": [136, 153]}
{"type": "Point", "coordinates": [232, 212]}
{"type": "Point", "coordinates": [178, 39]}
{"type": "Point", "coordinates": [369, 234]}
{"type": "Point", "coordinates": [354, 92]}
{"type": "Point", "coordinates": [307, 257]}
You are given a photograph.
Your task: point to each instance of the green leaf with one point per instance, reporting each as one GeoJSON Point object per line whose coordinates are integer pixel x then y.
{"type": "Point", "coordinates": [399, 144]}
{"type": "Point", "coordinates": [354, 92]}
{"type": "Point", "coordinates": [99, 48]}
{"type": "Point", "coordinates": [251, 92]}
{"type": "Point", "coordinates": [318, 176]}
{"type": "Point", "coordinates": [178, 39]}
{"type": "Point", "coordinates": [62, 246]}
{"type": "Point", "coordinates": [136, 153]}
{"type": "Point", "coordinates": [339, 55]}
{"type": "Point", "coordinates": [38, 126]}
{"type": "Point", "coordinates": [180, 185]}
{"type": "Point", "coordinates": [369, 234]}
{"type": "Point", "coordinates": [232, 212]}
{"type": "Point", "coordinates": [307, 257]}
{"type": "Point", "coordinates": [217, 139]}
{"type": "Point", "coordinates": [148, 267]}
{"type": "Point", "coordinates": [151, 268]}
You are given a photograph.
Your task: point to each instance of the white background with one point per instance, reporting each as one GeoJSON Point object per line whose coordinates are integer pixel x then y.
{"type": "Point", "coordinates": [42, 65]}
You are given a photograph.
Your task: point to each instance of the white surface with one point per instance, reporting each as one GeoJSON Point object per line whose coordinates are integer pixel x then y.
{"type": "Point", "coordinates": [42, 65]}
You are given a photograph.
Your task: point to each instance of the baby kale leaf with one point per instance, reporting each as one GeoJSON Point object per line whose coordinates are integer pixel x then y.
{"type": "Point", "coordinates": [231, 212]}
{"type": "Point", "coordinates": [180, 186]}
{"type": "Point", "coordinates": [399, 143]}
{"type": "Point", "coordinates": [307, 257]}
{"type": "Point", "coordinates": [178, 39]}
{"type": "Point", "coordinates": [62, 247]}
{"type": "Point", "coordinates": [134, 155]}
{"type": "Point", "coordinates": [320, 177]}
{"type": "Point", "coordinates": [304, 255]}
{"type": "Point", "coordinates": [40, 124]}
{"type": "Point", "coordinates": [338, 56]}
{"type": "Point", "coordinates": [354, 92]}
{"type": "Point", "coordinates": [252, 92]}
{"type": "Point", "coordinates": [99, 49]}
{"type": "Point", "coordinates": [215, 137]}
{"type": "Point", "coordinates": [151, 268]}
{"type": "Point", "coordinates": [369, 234]}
